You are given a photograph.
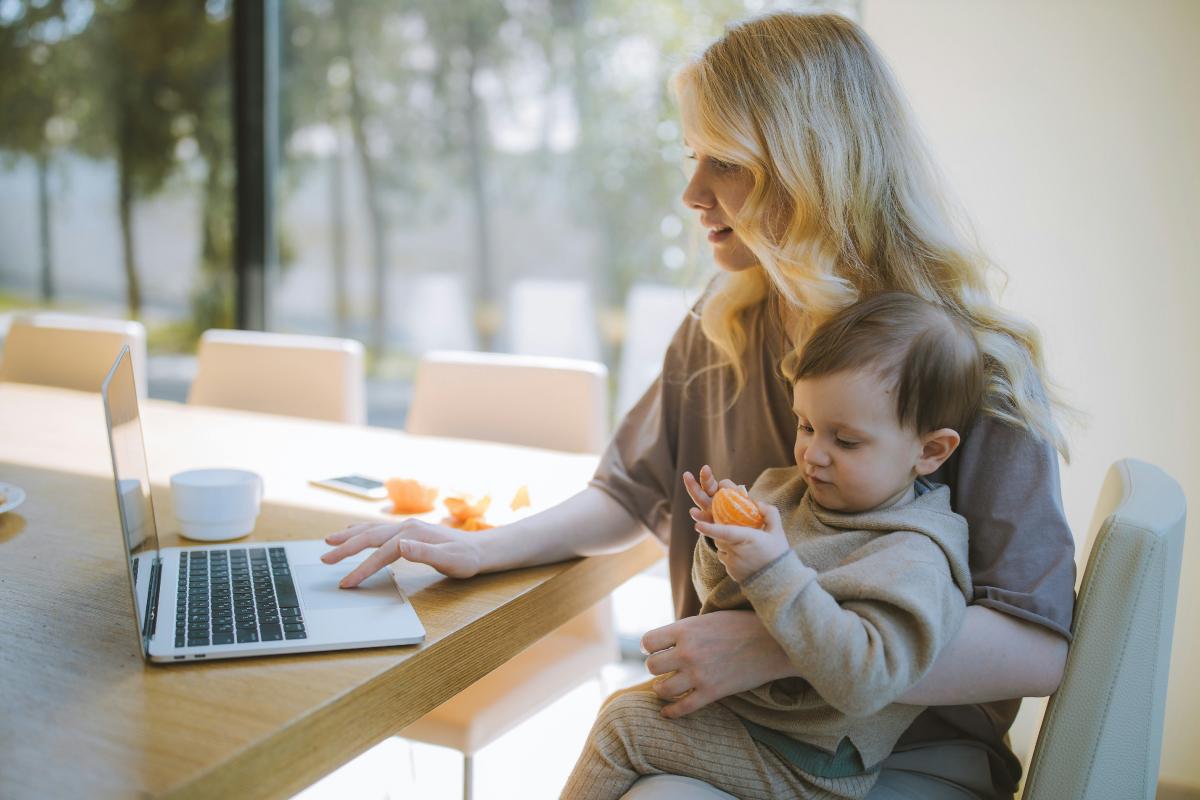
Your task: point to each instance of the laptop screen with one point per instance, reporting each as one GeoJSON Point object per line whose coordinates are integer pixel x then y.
{"type": "Point", "coordinates": [132, 479]}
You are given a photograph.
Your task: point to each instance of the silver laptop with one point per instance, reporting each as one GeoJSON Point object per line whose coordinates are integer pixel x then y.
{"type": "Point", "coordinates": [236, 599]}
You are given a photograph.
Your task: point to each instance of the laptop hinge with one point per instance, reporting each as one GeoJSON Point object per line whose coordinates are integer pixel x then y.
{"type": "Point", "coordinates": [152, 599]}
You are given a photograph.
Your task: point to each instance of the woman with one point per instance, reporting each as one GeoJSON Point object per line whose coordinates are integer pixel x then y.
{"type": "Point", "coordinates": [815, 190]}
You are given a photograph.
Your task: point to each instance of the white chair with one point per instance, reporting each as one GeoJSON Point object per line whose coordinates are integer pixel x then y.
{"type": "Point", "coordinates": [552, 318]}
{"type": "Point", "coordinates": [74, 352]}
{"type": "Point", "coordinates": [652, 313]}
{"type": "Point", "coordinates": [551, 403]}
{"type": "Point", "coordinates": [315, 377]}
{"type": "Point", "coordinates": [1102, 734]}
{"type": "Point", "coordinates": [555, 403]}
{"type": "Point", "coordinates": [437, 313]}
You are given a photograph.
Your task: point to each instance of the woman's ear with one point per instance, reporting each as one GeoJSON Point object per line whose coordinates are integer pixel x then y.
{"type": "Point", "coordinates": [936, 447]}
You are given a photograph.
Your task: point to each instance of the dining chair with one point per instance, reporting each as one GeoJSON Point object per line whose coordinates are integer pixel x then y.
{"type": "Point", "coordinates": [316, 377]}
{"type": "Point", "coordinates": [552, 317]}
{"type": "Point", "coordinates": [1101, 737]}
{"type": "Point", "coordinates": [652, 315]}
{"type": "Point", "coordinates": [551, 403]}
{"type": "Point", "coordinates": [75, 352]}
{"type": "Point", "coordinates": [536, 401]}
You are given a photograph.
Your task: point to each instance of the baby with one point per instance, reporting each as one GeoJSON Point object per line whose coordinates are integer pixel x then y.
{"type": "Point", "coordinates": [860, 573]}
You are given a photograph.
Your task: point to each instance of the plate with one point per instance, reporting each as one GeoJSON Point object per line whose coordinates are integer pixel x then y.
{"type": "Point", "coordinates": [12, 496]}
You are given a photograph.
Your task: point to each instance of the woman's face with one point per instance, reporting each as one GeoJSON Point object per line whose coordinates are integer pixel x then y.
{"type": "Point", "coordinates": [717, 191]}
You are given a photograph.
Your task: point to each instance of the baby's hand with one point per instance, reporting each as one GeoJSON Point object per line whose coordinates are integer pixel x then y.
{"type": "Point", "coordinates": [701, 492]}
{"type": "Point", "coordinates": [744, 551]}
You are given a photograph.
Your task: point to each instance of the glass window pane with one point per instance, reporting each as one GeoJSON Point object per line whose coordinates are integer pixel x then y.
{"type": "Point", "coordinates": [116, 167]}
{"type": "Point", "coordinates": [485, 175]}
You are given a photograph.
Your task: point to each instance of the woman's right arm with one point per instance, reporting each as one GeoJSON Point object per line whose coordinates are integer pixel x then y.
{"type": "Point", "coordinates": [588, 523]}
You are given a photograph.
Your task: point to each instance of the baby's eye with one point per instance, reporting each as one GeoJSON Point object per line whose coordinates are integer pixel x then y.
{"type": "Point", "coordinates": [805, 428]}
{"type": "Point", "coordinates": [846, 445]}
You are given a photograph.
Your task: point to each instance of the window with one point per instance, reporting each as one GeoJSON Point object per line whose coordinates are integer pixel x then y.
{"type": "Point", "coordinates": [493, 175]}
{"type": "Point", "coordinates": [116, 162]}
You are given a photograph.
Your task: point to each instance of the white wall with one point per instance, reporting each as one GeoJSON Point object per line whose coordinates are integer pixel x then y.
{"type": "Point", "coordinates": [1069, 131]}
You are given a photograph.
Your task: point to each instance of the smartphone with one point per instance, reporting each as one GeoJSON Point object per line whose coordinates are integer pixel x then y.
{"type": "Point", "coordinates": [357, 485]}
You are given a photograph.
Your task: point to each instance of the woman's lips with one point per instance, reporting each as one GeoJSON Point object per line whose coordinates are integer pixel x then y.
{"type": "Point", "coordinates": [719, 234]}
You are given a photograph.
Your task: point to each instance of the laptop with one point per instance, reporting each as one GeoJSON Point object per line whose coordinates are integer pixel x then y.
{"type": "Point", "coordinates": [235, 599]}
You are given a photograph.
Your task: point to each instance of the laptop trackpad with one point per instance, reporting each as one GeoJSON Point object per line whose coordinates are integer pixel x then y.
{"type": "Point", "coordinates": [318, 585]}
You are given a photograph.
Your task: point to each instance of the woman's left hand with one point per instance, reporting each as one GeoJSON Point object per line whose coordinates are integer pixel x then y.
{"type": "Point", "coordinates": [705, 658]}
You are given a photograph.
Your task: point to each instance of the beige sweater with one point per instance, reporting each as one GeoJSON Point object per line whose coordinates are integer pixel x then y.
{"type": "Point", "coordinates": [861, 604]}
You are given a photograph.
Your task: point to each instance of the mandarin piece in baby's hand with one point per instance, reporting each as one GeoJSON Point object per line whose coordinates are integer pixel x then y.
{"type": "Point", "coordinates": [733, 506]}
{"type": "Point", "coordinates": [409, 496]}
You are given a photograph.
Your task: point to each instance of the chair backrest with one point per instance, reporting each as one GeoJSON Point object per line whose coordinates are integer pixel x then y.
{"type": "Point", "coordinates": [71, 351]}
{"type": "Point", "coordinates": [315, 377]}
{"type": "Point", "coordinates": [552, 318]}
{"type": "Point", "coordinates": [537, 401]}
{"type": "Point", "coordinates": [1102, 734]}
{"type": "Point", "coordinates": [652, 314]}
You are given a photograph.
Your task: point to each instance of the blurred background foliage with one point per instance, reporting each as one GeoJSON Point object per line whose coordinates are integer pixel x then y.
{"type": "Point", "coordinates": [488, 140]}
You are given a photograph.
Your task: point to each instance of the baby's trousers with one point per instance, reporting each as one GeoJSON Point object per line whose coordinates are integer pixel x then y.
{"type": "Point", "coordinates": [631, 738]}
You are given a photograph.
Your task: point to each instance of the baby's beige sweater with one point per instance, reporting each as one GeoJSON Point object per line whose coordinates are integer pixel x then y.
{"type": "Point", "coordinates": [861, 604]}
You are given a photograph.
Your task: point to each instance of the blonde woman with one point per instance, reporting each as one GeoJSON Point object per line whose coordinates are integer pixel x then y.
{"type": "Point", "coordinates": [815, 189]}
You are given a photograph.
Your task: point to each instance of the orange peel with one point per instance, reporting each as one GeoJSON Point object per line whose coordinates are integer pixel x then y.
{"type": "Point", "coordinates": [520, 499]}
{"type": "Point", "coordinates": [409, 496]}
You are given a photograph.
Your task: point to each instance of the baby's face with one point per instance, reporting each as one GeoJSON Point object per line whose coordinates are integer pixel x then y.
{"type": "Point", "coordinates": [849, 443]}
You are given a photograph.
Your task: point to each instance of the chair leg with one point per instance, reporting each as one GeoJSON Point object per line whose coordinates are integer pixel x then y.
{"type": "Point", "coordinates": [468, 776]}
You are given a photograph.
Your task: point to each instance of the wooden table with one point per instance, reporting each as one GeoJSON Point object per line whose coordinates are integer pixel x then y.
{"type": "Point", "coordinates": [81, 715]}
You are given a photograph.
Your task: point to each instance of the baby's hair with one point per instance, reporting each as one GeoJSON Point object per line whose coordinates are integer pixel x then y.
{"type": "Point", "coordinates": [926, 354]}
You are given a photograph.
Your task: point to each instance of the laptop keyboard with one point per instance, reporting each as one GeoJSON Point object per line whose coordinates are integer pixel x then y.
{"type": "Point", "coordinates": [234, 596]}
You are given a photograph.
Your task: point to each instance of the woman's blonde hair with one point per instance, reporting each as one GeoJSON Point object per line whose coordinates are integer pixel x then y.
{"type": "Point", "coordinates": [845, 201]}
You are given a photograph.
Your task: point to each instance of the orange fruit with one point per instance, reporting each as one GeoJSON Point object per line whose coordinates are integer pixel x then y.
{"type": "Point", "coordinates": [409, 496]}
{"type": "Point", "coordinates": [734, 507]}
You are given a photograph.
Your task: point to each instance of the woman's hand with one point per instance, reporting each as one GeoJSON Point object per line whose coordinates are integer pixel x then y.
{"type": "Point", "coordinates": [451, 552]}
{"type": "Point", "coordinates": [744, 551]}
{"type": "Point", "coordinates": [705, 658]}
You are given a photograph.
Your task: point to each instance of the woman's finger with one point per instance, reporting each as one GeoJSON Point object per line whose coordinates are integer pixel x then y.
{"type": "Point", "coordinates": [368, 536]}
{"type": "Point", "coordinates": [663, 662]}
{"type": "Point", "coordinates": [692, 701]}
{"type": "Point", "coordinates": [386, 554]}
{"type": "Point", "coordinates": [660, 638]}
{"type": "Point", "coordinates": [672, 686]}
{"type": "Point", "coordinates": [701, 516]}
{"type": "Point", "coordinates": [708, 481]}
{"type": "Point", "coordinates": [353, 529]}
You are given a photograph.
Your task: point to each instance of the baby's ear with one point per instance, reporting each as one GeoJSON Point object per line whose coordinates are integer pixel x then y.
{"type": "Point", "coordinates": [936, 447]}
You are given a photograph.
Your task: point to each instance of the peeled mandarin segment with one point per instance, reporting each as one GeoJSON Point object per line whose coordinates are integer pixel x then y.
{"type": "Point", "coordinates": [409, 496]}
{"type": "Point", "coordinates": [734, 507]}
{"type": "Point", "coordinates": [474, 524]}
{"type": "Point", "coordinates": [520, 499]}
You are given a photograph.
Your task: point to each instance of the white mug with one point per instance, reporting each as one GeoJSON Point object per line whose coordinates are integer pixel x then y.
{"type": "Point", "coordinates": [214, 505]}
